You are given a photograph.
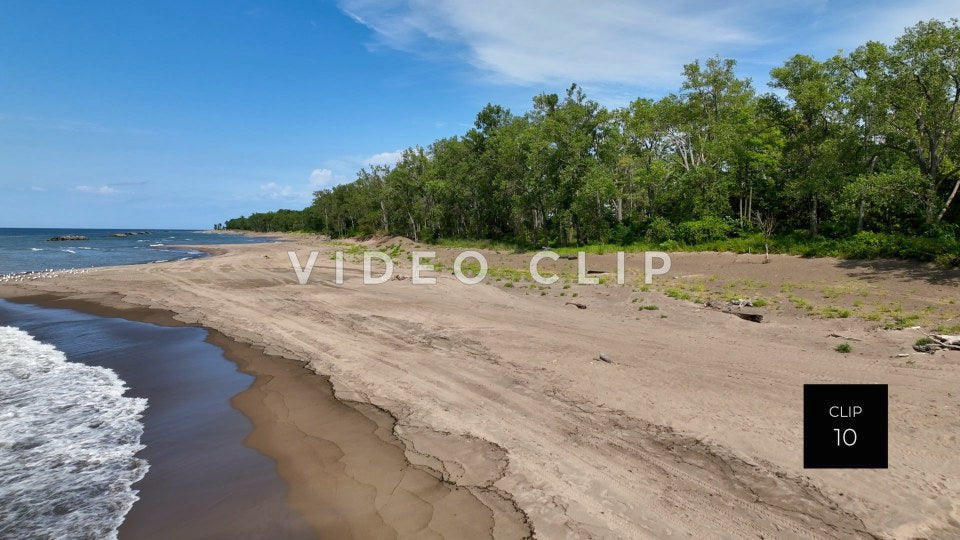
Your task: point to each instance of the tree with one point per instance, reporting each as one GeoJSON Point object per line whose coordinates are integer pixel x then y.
{"type": "Point", "coordinates": [812, 128]}
{"type": "Point", "coordinates": [713, 115]}
{"type": "Point", "coordinates": [864, 142]}
{"type": "Point", "coordinates": [909, 93]}
{"type": "Point", "coordinates": [767, 224]}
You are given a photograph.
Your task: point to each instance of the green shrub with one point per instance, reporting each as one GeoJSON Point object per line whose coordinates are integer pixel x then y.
{"type": "Point", "coordinates": [678, 294]}
{"type": "Point", "coordinates": [843, 348]}
{"type": "Point", "coordinates": [669, 245]}
{"type": "Point", "coordinates": [947, 260]}
{"type": "Point", "coordinates": [621, 235]}
{"type": "Point", "coordinates": [833, 312]}
{"type": "Point", "coordinates": [659, 230]}
{"type": "Point", "coordinates": [708, 229]}
{"type": "Point", "coordinates": [902, 321]}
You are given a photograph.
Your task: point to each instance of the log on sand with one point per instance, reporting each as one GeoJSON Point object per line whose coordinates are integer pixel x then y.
{"type": "Point", "coordinates": [752, 317]}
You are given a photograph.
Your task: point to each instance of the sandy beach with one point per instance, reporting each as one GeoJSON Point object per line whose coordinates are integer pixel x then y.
{"type": "Point", "coordinates": [478, 411]}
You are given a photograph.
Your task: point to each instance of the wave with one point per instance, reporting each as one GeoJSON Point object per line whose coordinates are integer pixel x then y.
{"type": "Point", "coordinates": [68, 439]}
{"type": "Point", "coordinates": [36, 249]}
{"type": "Point", "coordinates": [68, 250]}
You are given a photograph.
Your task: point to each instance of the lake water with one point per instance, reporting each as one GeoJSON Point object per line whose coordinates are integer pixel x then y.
{"type": "Point", "coordinates": [30, 250]}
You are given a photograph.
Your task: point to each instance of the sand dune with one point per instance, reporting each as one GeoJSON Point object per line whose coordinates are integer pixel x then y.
{"type": "Point", "coordinates": [694, 429]}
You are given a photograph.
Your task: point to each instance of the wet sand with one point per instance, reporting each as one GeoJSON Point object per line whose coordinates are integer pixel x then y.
{"type": "Point", "coordinates": [202, 481]}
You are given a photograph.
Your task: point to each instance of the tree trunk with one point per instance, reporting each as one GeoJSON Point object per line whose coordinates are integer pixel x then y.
{"type": "Point", "coordinates": [813, 218]}
{"type": "Point", "coordinates": [863, 200]}
{"type": "Point", "coordinates": [863, 205]}
{"type": "Point", "coordinates": [535, 228]}
{"type": "Point", "coordinates": [946, 206]}
{"type": "Point", "coordinates": [413, 227]}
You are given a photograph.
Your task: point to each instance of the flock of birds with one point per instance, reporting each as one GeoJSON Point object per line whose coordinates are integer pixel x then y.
{"type": "Point", "coordinates": [40, 274]}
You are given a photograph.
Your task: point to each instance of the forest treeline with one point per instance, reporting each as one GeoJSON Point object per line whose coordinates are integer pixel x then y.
{"type": "Point", "coordinates": [862, 148]}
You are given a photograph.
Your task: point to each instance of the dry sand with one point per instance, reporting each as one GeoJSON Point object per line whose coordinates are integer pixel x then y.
{"type": "Point", "coordinates": [694, 430]}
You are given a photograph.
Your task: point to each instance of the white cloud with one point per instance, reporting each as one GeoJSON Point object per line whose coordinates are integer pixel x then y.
{"type": "Point", "coordinates": [284, 191]}
{"type": "Point", "coordinates": [384, 158]}
{"type": "Point", "coordinates": [851, 28]}
{"type": "Point", "coordinates": [323, 178]}
{"type": "Point", "coordinates": [99, 190]}
{"type": "Point", "coordinates": [636, 43]}
{"type": "Point", "coordinates": [558, 41]}
{"type": "Point", "coordinates": [318, 179]}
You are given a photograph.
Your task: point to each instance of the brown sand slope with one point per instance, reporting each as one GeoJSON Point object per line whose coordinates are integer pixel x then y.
{"type": "Point", "coordinates": [695, 429]}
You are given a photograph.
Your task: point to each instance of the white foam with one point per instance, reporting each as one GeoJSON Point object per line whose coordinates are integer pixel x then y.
{"type": "Point", "coordinates": [67, 442]}
{"type": "Point", "coordinates": [36, 249]}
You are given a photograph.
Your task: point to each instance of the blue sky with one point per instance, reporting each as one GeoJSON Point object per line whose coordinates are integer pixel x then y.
{"type": "Point", "coordinates": [183, 114]}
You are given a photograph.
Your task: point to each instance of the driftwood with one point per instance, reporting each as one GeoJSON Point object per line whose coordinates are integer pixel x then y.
{"type": "Point", "coordinates": [844, 337]}
{"type": "Point", "coordinates": [939, 342]}
{"type": "Point", "coordinates": [579, 306]}
{"type": "Point", "coordinates": [752, 317]}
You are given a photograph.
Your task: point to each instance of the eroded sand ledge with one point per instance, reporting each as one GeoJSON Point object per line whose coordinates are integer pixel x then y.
{"type": "Point", "coordinates": [694, 430]}
{"type": "Point", "coordinates": [343, 462]}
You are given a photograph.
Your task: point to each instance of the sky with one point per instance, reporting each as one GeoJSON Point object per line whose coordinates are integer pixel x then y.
{"type": "Point", "coordinates": [182, 114]}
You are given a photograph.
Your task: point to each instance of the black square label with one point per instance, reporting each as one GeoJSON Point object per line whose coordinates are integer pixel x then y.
{"type": "Point", "coordinates": [845, 426]}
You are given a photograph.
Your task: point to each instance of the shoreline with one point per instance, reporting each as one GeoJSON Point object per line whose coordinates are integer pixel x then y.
{"type": "Point", "coordinates": [494, 389]}
{"type": "Point", "coordinates": [201, 480]}
{"type": "Point", "coordinates": [297, 419]}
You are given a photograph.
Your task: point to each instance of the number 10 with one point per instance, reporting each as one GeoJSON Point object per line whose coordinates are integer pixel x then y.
{"type": "Point", "coordinates": [843, 437]}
